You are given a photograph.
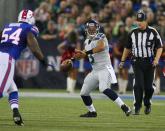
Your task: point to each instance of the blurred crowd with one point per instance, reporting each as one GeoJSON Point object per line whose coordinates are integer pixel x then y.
{"type": "Point", "coordinates": [59, 18]}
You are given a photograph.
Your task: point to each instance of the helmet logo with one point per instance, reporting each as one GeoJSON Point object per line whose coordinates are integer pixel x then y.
{"type": "Point", "coordinates": [139, 15]}
{"type": "Point", "coordinates": [92, 28]}
{"type": "Point", "coordinates": [24, 14]}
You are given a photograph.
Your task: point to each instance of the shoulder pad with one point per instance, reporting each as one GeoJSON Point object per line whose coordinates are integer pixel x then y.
{"type": "Point", "coordinates": [34, 28]}
{"type": "Point", "coordinates": [86, 41]}
{"type": "Point", "coordinates": [99, 36]}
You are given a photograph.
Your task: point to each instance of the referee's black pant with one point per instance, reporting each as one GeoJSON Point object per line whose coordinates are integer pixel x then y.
{"type": "Point", "coordinates": [144, 76]}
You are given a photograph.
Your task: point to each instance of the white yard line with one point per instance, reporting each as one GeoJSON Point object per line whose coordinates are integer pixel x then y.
{"type": "Point", "coordinates": [76, 95]}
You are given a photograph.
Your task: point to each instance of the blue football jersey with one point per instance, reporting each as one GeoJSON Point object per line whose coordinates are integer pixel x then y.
{"type": "Point", "coordinates": [14, 38]}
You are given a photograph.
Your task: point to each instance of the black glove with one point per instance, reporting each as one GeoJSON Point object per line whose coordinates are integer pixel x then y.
{"type": "Point", "coordinates": [44, 62]}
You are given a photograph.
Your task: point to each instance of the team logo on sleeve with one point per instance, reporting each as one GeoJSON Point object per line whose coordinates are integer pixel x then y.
{"type": "Point", "coordinates": [35, 29]}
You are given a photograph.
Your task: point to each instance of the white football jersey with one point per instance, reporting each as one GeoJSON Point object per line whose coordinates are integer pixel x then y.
{"type": "Point", "coordinates": [98, 60]}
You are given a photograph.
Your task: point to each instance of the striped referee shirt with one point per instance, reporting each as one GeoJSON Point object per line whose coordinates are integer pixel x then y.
{"type": "Point", "coordinates": [143, 43]}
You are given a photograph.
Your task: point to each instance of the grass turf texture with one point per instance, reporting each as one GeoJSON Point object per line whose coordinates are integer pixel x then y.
{"type": "Point", "coordinates": [64, 91]}
{"type": "Point", "coordinates": [50, 114]}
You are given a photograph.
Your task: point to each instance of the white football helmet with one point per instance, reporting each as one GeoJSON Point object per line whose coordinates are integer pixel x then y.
{"type": "Point", "coordinates": [26, 16]}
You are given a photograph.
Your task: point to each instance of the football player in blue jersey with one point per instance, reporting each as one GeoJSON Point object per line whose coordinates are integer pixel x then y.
{"type": "Point", "coordinates": [14, 38]}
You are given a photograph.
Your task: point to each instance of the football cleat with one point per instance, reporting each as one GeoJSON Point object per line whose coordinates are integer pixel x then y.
{"type": "Point", "coordinates": [126, 110]}
{"type": "Point", "coordinates": [147, 110]}
{"type": "Point", "coordinates": [89, 114]}
{"type": "Point", "coordinates": [17, 117]}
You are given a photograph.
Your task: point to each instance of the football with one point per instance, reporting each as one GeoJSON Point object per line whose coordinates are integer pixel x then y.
{"type": "Point", "coordinates": [66, 65]}
{"type": "Point", "coordinates": [79, 54]}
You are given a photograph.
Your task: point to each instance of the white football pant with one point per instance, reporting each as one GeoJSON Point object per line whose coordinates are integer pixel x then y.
{"type": "Point", "coordinates": [7, 67]}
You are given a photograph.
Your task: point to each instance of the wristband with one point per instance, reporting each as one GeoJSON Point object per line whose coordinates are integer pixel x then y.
{"type": "Point", "coordinates": [43, 61]}
{"type": "Point", "coordinates": [89, 52]}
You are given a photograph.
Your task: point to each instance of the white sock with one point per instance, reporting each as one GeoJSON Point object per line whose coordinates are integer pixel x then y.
{"type": "Point", "coordinates": [119, 102]}
{"type": "Point", "coordinates": [91, 108]}
{"type": "Point", "coordinates": [120, 83]}
{"type": "Point", "coordinates": [68, 83]}
{"type": "Point", "coordinates": [157, 83]}
{"type": "Point", "coordinates": [14, 106]}
{"type": "Point", "coordinates": [133, 82]}
{"type": "Point", "coordinates": [124, 85]}
{"type": "Point", "coordinates": [71, 83]}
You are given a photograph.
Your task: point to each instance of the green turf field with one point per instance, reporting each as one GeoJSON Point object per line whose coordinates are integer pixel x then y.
{"type": "Point", "coordinates": [52, 114]}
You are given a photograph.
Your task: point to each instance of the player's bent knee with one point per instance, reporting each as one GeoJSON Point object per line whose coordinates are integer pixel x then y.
{"type": "Point", "coordinates": [103, 89]}
{"type": "Point", "coordinates": [83, 93]}
{"type": "Point", "coordinates": [84, 90]}
{"type": "Point", "coordinates": [111, 94]}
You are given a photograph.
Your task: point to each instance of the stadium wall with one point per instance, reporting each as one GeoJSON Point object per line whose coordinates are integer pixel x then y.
{"type": "Point", "coordinates": [8, 11]}
{"type": "Point", "coordinates": [30, 74]}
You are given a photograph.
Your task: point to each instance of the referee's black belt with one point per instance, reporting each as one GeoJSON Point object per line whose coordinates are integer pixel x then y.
{"type": "Point", "coordinates": [143, 58]}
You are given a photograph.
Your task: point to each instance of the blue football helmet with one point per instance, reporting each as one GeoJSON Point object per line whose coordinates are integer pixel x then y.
{"type": "Point", "coordinates": [92, 28]}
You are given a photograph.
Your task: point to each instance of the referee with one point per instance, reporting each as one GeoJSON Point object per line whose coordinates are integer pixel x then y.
{"type": "Point", "coordinates": [145, 44]}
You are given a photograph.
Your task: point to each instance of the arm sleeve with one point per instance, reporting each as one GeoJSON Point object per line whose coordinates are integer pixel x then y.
{"type": "Point", "coordinates": [158, 40]}
{"type": "Point", "coordinates": [33, 30]}
{"type": "Point", "coordinates": [100, 36]}
{"type": "Point", "coordinates": [128, 44]}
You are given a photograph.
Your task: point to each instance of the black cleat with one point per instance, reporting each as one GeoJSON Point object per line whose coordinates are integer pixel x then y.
{"type": "Point", "coordinates": [126, 110]}
{"type": "Point", "coordinates": [136, 112]}
{"type": "Point", "coordinates": [147, 110]}
{"type": "Point", "coordinates": [89, 114]}
{"type": "Point", "coordinates": [17, 117]}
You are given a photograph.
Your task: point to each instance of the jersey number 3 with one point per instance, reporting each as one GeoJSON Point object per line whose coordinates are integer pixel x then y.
{"type": "Point", "coordinates": [15, 36]}
{"type": "Point", "coordinates": [91, 58]}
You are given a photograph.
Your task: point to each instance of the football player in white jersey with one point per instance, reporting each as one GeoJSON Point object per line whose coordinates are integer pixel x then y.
{"type": "Point", "coordinates": [102, 75]}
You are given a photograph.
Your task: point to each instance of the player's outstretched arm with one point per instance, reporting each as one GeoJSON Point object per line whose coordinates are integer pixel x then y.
{"type": "Point", "coordinates": [157, 57]}
{"type": "Point", "coordinates": [79, 54]}
{"type": "Point", "coordinates": [82, 54]}
{"type": "Point", "coordinates": [34, 47]}
{"type": "Point", "coordinates": [100, 47]}
{"type": "Point", "coordinates": [124, 56]}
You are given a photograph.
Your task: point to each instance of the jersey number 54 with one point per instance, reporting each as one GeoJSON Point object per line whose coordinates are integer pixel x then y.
{"type": "Point", "coordinates": [15, 36]}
